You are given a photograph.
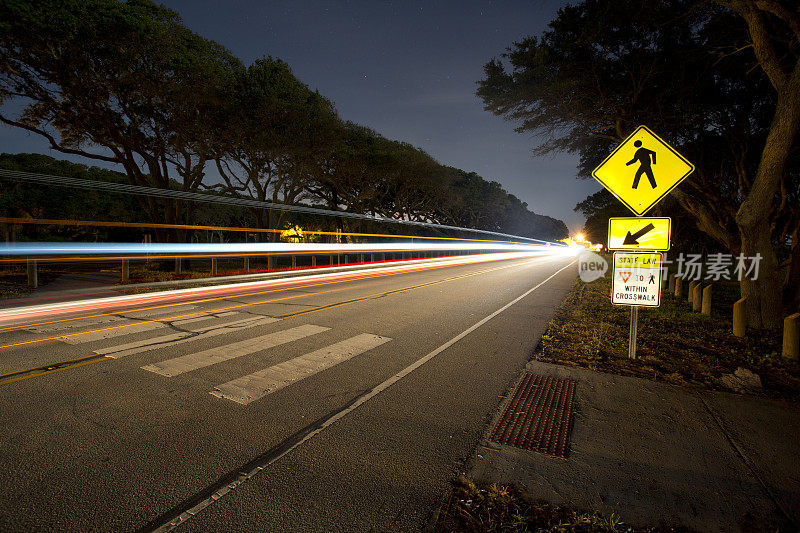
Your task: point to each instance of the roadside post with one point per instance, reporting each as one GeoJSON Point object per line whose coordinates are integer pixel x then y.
{"type": "Point", "coordinates": [636, 283]}
{"type": "Point", "coordinates": [640, 172]}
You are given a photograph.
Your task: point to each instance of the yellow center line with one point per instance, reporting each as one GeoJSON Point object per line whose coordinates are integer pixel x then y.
{"type": "Point", "coordinates": [385, 293]}
{"type": "Point", "coordinates": [87, 360]}
{"type": "Point", "coordinates": [356, 277]}
{"type": "Point", "coordinates": [217, 310]}
{"type": "Point", "coordinates": [46, 372]}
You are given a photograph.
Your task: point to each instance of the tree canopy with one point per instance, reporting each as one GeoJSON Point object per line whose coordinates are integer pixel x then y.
{"type": "Point", "coordinates": [713, 79]}
{"type": "Point", "coordinates": [126, 82]}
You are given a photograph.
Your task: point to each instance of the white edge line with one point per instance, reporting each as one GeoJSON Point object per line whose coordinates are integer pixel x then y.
{"type": "Point", "coordinates": [244, 476]}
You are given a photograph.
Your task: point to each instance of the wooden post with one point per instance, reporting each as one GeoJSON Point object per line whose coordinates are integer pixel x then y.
{"type": "Point", "coordinates": [126, 269]}
{"type": "Point", "coordinates": [360, 258]}
{"type": "Point", "coordinates": [707, 300]}
{"type": "Point", "coordinates": [697, 297]}
{"type": "Point", "coordinates": [178, 265]}
{"type": "Point", "coordinates": [678, 286]}
{"type": "Point", "coordinates": [372, 258]}
{"type": "Point", "coordinates": [247, 263]}
{"type": "Point", "coordinates": [313, 260]}
{"type": "Point", "coordinates": [294, 261]}
{"type": "Point", "coordinates": [33, 274]}
{"type": "Point", "coordinates": [270, 262]}
{"type": "Point", "coordinates": [213, 266]}
{"type": "Point", "coordinates": [690, 296]}
{"type": "Point", "coordinates": [791, 336]}
{"type": "Point", "coordinates": [671, 286]}
{"type": "Point", "coordinates": [740, 318]}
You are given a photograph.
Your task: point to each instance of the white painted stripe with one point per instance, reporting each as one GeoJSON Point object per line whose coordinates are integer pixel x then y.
{"type": "Point", "coordinates": [115, 331]}
{"type": "Point", "coordinates": [173, 339]}
{"type": "Point", "coordinates": [111, 331]}
{"type": "Point", "coordinates": [244, 476]}
{"type": "Point", "coordinates": [110, 320]}
{"type": "Point", "coordinates": [202, 318]}
{"type": "Point", "coordinates": [187, 363]}
{"type": "Point", "coordinates": [74, 324]}
{"type": "Point", "coordinates": [258, 384]}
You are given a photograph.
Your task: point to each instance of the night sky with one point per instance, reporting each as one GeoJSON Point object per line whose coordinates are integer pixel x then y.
{"type": "Point", "coordinates": [406, 69]}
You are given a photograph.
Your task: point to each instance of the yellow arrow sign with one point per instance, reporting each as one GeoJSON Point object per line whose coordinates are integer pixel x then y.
{"type": "Point", "coordinates": [638, 233]}
{"type": "Point", "coordinates": [642, 170]}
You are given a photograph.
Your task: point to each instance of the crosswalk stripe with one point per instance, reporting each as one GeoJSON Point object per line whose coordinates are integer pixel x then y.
{"type": "Point", "coordinates": [115, 332]}
{"type": "Point", "coordinates": [74, 324]}
{"type": "Point", "coordinates": [173, 339]}
{"type": "Point", "coordinates": [189, 362]}
{"type": "Point", "coordinates": [202, 318]}
{"type": "Point", "coordinates": [102, 334]}
{"type": "Point", "coordinates": [249, 388]}
{"type": "Point", "coordinates": [95, 322]}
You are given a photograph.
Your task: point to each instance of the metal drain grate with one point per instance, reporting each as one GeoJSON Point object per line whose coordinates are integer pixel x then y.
{"type": "Point", "coordinates": [538, 416]}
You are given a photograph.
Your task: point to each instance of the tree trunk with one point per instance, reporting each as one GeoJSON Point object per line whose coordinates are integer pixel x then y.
{"type": "Point", "coordinates": [764, 294]}
{"type": "Point", "coordinates": [791, 287]}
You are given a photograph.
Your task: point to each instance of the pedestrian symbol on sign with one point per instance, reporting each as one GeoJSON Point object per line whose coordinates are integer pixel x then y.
{"type": "Point", "coordinates": [622, 170]}
{"type": "Point", "coordinates": [643, 156]}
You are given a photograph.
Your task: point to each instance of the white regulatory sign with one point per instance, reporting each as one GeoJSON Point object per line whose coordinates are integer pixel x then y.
{"type": "Point", "coordinates": [637, 279]}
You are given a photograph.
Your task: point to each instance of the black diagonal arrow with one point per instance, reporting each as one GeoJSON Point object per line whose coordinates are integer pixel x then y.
{"type": "Point", "coordinates": [633, 239]}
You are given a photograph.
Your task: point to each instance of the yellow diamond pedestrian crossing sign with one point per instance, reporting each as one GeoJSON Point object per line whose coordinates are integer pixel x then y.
{"type": "Point", "coordinates": [642, 170]}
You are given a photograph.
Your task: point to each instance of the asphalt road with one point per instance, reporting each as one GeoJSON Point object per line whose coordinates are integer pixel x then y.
{"type": "Point", "coordinates": [343, 406]}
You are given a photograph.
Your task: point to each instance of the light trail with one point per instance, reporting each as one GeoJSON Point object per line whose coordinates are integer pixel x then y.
{"type": "Point", "coordinates": [142, 249]}
{"type": "Point", "coordinates": [44, 370]}
{"type": "Point", "coordinates": [157, 300]}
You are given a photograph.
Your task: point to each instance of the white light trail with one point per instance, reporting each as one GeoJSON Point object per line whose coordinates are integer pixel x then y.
{"type": "Point", "coordinates": [123, 248]}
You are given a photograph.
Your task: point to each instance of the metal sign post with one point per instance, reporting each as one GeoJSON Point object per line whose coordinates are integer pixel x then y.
{"type": "Point", "coordinates": [632, 334]}
{"type": "Point", "coordinates": [636, 283]}
{"type": "Point", "coordinates": [637, 274]}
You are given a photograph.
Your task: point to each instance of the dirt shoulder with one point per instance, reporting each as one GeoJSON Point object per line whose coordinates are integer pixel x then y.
{"type": "Point", "coordinates": [674, 344]}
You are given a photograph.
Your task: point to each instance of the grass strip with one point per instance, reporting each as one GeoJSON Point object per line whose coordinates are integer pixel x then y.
{"type": "Point", "coordinates": [675, 345]}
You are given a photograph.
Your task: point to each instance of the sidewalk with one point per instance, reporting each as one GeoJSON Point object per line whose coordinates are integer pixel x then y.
{"type": "Point", "coordinates": [658, 454]}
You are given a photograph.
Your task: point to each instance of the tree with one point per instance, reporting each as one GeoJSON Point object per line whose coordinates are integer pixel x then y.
{"type": "Point", "coordinates": [474, 202]}
{"type": "Point", "coordinates": [120, 82]}
{"type": "Point", "coordinates": [598, 208]}
{"type": "Point", "coordinates": [24, 200]}
{"type": "Point", "coordinates": [594, 76]}
{"type": "Point", "coordinates": [272, 130]}
{"type": "Point", "coordinates": [774, 28]}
